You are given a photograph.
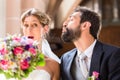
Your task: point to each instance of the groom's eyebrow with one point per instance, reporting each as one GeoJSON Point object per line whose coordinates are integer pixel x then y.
{"type": "Point", "coordinates": [73, 16]}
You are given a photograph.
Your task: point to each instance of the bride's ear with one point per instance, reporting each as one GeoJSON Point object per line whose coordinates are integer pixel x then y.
{"type": "Point", "coordinates": [46, 29]}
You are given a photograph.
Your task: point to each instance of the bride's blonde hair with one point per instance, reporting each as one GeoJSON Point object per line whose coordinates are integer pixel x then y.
{"type": "Point", "coordinates": [43, 18]}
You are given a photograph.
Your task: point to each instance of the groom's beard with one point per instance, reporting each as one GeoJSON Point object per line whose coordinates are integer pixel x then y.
{"type": "Point", "coordinates": [71, 35]}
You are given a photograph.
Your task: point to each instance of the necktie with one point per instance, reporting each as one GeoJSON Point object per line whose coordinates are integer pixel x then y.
{"type": "Point", "coordinates": [83, 64]}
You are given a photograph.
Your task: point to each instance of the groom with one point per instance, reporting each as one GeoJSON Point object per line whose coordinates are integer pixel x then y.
{"type": "Point", "coordinates": [82, 28]}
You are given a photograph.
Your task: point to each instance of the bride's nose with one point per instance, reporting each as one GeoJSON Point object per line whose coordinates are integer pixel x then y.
{"type": "Point", "coordinates": [30, 28]}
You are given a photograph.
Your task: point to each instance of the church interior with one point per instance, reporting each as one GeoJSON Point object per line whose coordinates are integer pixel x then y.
{"type": "Point", "coordinates": [59, 10]}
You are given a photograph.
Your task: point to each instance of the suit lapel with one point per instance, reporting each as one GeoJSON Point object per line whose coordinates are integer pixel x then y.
{"type": "Point", "coordinates": [69, 62]}
{"type": "Point", "coordinates": [96, 58]}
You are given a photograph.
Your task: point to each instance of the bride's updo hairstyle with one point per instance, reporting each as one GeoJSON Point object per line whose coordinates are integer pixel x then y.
{"type": "Point", "coordinates": [43, 18]}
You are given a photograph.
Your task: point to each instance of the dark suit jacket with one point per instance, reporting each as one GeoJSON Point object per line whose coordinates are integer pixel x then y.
{"type": "Point", "coordinates": [105, 60]}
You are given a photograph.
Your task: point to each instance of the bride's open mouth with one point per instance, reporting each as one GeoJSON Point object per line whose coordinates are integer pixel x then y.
{"type": "Point", "coordinates": [31, 37]}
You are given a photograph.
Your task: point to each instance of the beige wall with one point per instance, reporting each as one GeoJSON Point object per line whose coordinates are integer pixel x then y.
{"type": "Point", "coordinates": [2, 18]}
{"type": "Point", "coordinates": [15, 8]}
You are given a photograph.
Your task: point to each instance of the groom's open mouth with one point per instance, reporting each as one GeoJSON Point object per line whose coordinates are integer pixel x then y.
{"type": "Point", "coordinates": [31, 37]}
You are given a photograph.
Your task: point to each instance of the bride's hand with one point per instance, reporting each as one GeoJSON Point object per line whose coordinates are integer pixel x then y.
{"type": "Point", "coordinates": [38, 67]}
{"type": "Point", "coordinates": [24, 79]}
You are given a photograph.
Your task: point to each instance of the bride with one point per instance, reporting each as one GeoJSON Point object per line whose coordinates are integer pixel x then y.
{"type": "Point", "coordinates": [35, 26]}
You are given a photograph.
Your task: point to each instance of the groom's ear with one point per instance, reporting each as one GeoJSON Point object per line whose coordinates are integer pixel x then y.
{"type": "Point", "coordinates": [85, 25]}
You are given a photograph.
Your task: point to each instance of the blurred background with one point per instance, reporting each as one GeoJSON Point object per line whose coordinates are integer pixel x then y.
{"type": "Point", "coordinates": [59, 10]}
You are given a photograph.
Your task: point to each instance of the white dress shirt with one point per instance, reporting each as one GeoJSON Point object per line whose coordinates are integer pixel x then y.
{"type": "Point", "coordinates": [88, 52]}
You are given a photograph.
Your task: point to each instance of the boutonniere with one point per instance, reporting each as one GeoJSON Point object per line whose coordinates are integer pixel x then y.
{"type": "Point", "coordinates": [94, 76]}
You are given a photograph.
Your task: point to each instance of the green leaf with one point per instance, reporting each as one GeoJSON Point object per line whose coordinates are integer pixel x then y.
{"type": "Point", "coordinates": [41, 61]}
{"type": "Point", "coordinates": [89, 78]}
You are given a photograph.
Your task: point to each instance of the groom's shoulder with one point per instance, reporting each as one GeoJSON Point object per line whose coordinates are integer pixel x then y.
{"type": "Point", "coordinates": [109, 47]}
{"type": "Point", "coordinates": [69, 53]}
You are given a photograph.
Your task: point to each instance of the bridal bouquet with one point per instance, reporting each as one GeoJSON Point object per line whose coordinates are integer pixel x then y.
{"type": "Point", "coordinates": [19, 56]}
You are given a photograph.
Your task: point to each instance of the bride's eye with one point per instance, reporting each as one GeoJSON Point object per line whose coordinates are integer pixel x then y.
{"type": "Point", "coordinates": [26, 25]}
{"type": "Point", "coordinates": [35, 25]}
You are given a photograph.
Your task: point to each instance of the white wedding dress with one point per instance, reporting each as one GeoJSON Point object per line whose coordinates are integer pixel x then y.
{"type": "Point", "coordinates": [34, 75]}
{"type": "Point", "coordinates": [39, 75]}
{"type": "Point", "coordinates": [2, 77]}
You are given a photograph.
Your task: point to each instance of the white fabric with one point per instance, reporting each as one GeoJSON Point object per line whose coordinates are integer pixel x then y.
{"type": "Point", "coordinates": [47, 50]}
{"type": "Point", "coordinates": [39, 75]}
{"type": "Point", "coordinates": [34, 75]}
{"type": "Point", "coordinates": [2, 77]}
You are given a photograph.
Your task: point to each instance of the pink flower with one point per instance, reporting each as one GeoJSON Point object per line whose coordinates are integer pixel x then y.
{"type": "Point", "coordinates": [32, 50]}
{"type": "Point", "coordinates": [96, 74]}
{"type": "Point", "coordinates": [3, 51]}
{"type": "Point", "coordinates": [24, 65]}
{"type": "Point", "coordinates": [4, 64]}
{"type": "Point", "coordinates": [18, 50]}
{"type": "Point", "coordinates": [17, 39]}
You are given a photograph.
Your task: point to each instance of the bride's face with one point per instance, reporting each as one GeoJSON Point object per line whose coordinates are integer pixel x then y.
{"type": "Point", "coordinates": [32, 28]}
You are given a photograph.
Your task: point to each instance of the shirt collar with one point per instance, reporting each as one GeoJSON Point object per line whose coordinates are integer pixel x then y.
{"type": "Point", "coordinates": [88, 52]}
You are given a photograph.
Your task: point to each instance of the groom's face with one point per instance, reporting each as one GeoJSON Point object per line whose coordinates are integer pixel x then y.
{"type": "Point", "coordinates": [71, 28]}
